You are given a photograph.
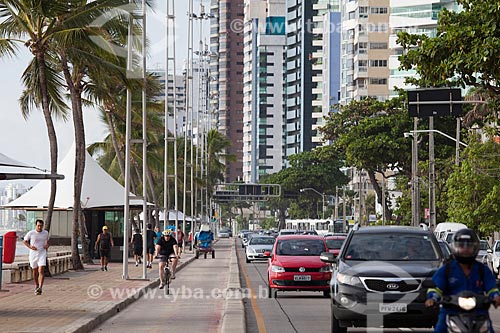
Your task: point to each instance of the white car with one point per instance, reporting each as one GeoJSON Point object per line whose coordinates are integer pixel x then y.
{"type": "Point", "coordinates": [256, 247]}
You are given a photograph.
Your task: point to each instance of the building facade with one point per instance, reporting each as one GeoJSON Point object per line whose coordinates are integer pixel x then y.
{"type": "Point", "coordinates": [263, 119]}
{"type": "Point", "coordinates": [365, 50]}
{"type": "Point", "coordinates": [226, 40]}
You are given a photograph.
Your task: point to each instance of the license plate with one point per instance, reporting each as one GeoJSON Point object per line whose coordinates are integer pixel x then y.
{"type": "Point", "coordinates": [392, 307]}
{"type": "Point", "coordinates": [302, 278]}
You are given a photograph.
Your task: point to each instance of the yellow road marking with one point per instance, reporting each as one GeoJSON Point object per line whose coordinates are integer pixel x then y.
{"type": "Point", "coordinates": [253, 299]}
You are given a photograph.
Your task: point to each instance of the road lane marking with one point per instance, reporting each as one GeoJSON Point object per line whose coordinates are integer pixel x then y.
{"type": "Point", "coordinates": [253, 300]}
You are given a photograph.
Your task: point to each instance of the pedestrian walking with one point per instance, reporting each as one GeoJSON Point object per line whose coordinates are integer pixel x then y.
{"type": "Point", "coordinates": [180, 240]}
{"type": "Point", "coordinates": [38, 242]}
{"type": "Point", "coordinates": [150, 242]}
{"type": "Point", "coordinates": [105, 243]}
{"type": "Point", "coordinates": [136, 242]}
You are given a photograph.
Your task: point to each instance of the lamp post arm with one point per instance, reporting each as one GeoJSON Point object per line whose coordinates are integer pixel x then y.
{"type": "Point", "coordinates": [442, 133]}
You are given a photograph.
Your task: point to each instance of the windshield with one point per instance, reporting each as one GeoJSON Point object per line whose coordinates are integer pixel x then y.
{"type": "Point", "coordinates": [262, 241]}
{"type": "Point", "coordinates": [300, 247]}
{"type": "Point", "coordinates": [389, 247]}
{"type": "Point", "coordinates": [334, 243]}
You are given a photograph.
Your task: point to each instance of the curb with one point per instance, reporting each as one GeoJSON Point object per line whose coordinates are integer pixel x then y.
{"type": "Point", "coordinates": [86, 324]}
{"type": "Point", "coordinates": [234, 311]}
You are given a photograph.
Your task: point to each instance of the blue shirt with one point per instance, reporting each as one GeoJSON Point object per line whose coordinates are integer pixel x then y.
{"type": "Point", "coordinates": [457, 282]}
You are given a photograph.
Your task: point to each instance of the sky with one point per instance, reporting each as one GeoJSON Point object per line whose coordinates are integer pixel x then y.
{"type": "Point", "coordinates": [26, 140]}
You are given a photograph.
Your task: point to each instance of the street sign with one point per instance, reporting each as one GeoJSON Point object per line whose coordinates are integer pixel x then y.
{"type": "Point", "coordinates": [435, 102]}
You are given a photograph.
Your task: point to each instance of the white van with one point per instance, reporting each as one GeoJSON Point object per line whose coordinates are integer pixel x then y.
{"type": "Point", "coordinates": [446, 230]}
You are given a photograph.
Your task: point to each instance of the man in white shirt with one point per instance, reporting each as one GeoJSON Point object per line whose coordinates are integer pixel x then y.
{"type": "Point", "coordinates": [38, 242]}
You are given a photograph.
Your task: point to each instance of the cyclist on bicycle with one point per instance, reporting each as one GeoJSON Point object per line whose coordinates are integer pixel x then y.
{"type": "Point", "coordinates": [165, 248]}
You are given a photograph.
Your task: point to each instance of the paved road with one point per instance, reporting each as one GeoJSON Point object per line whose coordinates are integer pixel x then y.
{"type": "Point", "coordinates": [294, 311]}
{"type": "Point", "coordinates": [195, 303]}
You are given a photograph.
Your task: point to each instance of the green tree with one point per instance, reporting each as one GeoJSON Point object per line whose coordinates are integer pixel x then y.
{"type": "Point", "coordinates": [369, 135]}
{"type": "Point", "coordinates": [464, 53]}
{"type": "Point", "coordinates": [474, 188]}
{"type": "Point", "coordinates": [34, 24]}
{"type": "Point", "coordinates": [324, 163]}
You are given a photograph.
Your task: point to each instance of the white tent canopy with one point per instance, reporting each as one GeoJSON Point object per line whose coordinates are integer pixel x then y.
{"type": "Point", "coordinates": [13, 169]}
{"type": "Point", "coordinates": [99, 189]}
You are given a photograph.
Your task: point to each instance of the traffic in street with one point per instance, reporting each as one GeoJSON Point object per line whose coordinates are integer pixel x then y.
{"type": "Point", "coordinates": [294, 311]}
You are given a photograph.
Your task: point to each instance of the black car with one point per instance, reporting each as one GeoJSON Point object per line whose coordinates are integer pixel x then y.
{"type": "Point", "coordinates": [378, 275]}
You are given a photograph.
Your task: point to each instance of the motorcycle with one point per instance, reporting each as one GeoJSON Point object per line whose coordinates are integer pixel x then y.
{"type": "Point", "coordinates": [468, 317]}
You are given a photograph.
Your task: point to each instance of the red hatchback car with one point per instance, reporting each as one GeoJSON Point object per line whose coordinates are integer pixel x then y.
{"type": "Point", "coordinates": [295, 265]}
{"type": "Point", "coordinates": [334, 243]}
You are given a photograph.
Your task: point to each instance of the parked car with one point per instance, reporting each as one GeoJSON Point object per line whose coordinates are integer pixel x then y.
{"type": "Point", "coordinates": [295, 265]}
{"type": "Point", "coordinates": [380, 270]}
{"type": "Point", "coordinates": [259, 247]}
{"type": "Point", "coordinates": [334, 243]}
{"type": "Point", "coordinates": [308, 232]}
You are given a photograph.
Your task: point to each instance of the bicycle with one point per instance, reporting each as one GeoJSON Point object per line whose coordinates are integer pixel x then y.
{"type": "Point", "coordinates": [167, 273]}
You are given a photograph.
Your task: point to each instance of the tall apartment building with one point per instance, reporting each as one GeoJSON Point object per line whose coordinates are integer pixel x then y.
{"type": "Point", "coordinates": [226, 40]}
{"type": "Point", "coordinates": [175, 89]}
{"type": "Point", "coordinates": [304, 73]}
{"type": "Point", "coordinates": [263, 119]}
{"type": "Point", "coordinates": [417, 17]}
{"type": "Point", "coordinates": [331, 58]}
{"type": "Point", "coordinates": [9, 219]}
{"type": "Point", "coordinates": [365, 50]}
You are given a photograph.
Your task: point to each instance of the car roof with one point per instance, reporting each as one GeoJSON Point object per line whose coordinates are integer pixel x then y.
{"type": "Point", "coordinates": [263, 236]}
{"type": "Point", "coordinates": [299, 236]}
{"type": "Point", "coordinates": [336, 237]}
{"type": "Point", "coordinates": [392, 229]}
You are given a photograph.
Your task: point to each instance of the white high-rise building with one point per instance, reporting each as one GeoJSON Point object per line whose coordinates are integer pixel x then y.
{"type": "Point", "coordinates": [263, 92]}
{"type": "Point", "coordinates": [415, 17]}
{"type": "Point", "coordinates": [10, 218]}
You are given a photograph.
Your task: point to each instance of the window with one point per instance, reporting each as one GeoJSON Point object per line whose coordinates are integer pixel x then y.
{"type": "Point", "coordinates": [381, 27]}
{"type": "Point", "coordinates": [378, 81]}
{"type": "Point", "coordinates": [363, 12]}
{"type": "Point", "coordinates": [351, 15]}
{"type": "Point", "coordinates": [378, 10]}
{"type": "Point", "coordinates": [362, 46]}
{"type": "Point", "coordinates": [378, 63]}
{"type": "Point", "coordinates": [378, 46]}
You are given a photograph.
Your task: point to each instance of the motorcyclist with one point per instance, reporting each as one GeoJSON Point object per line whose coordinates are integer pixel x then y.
{"type": "Point", "coordinates": [460, 274]}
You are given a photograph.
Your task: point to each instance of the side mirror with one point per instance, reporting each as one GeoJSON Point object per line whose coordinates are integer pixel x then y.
{"type": "Point", "coordinates": [490, 251]}
{"type": "Point", "coordinates": [327, 257]}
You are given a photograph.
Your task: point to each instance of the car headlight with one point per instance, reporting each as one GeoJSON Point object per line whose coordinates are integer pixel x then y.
{"type": "Point", "coordinates": [277, 269]}
{"type": "Point", "coordinates": [326, 269]}
{"type": "Point", "coordinates": [348, 279]}
{"type": "Point", "coordinates": [251, 250]}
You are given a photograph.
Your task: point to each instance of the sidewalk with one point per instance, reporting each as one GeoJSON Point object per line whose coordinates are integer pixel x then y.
{"type": "Point", "coordinates": [79, 301]}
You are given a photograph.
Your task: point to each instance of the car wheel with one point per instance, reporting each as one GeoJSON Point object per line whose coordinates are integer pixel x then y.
{"type": "Point", "coordinates": [248, 260]}
{"type": "Point", "coordinates": [326, 293]}
{"type": "Point", "coordinates": [336, 328]}
{"type": "Point", "coordinates": [242, 246]}
{"type": "Point", "coordinates": [269, 291]}
{"type": "Point", "coordinates": [213, 254]}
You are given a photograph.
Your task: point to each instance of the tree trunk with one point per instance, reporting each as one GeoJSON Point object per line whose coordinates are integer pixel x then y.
{"type": "Point", "coordinates": [112, 131]}
{"type": "Point", "coordinates": [76, 106]}
{"type": "Point", "coordinates": [378, 190]}
{"type": "Point", "coordinates": [52, 136]}
{"type": "Point", "coordinates": [87, 258]}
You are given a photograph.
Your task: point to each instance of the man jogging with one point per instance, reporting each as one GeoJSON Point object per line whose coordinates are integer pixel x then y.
{"type": "Point", "coordinates": [38, 242]}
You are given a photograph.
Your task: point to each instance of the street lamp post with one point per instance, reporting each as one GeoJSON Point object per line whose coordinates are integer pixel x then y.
{"type": "Point", "coordinates": [432, 187]}
{"type": "Point", "coordinates": [319, 193]}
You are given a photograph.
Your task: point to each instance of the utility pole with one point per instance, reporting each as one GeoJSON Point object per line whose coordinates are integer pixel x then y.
{"type": "Point", "coordinates": [432, 177]}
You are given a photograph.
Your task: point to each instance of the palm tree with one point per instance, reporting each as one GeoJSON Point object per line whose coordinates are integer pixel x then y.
{"type": "Point", "coordinates": [34, 24]}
